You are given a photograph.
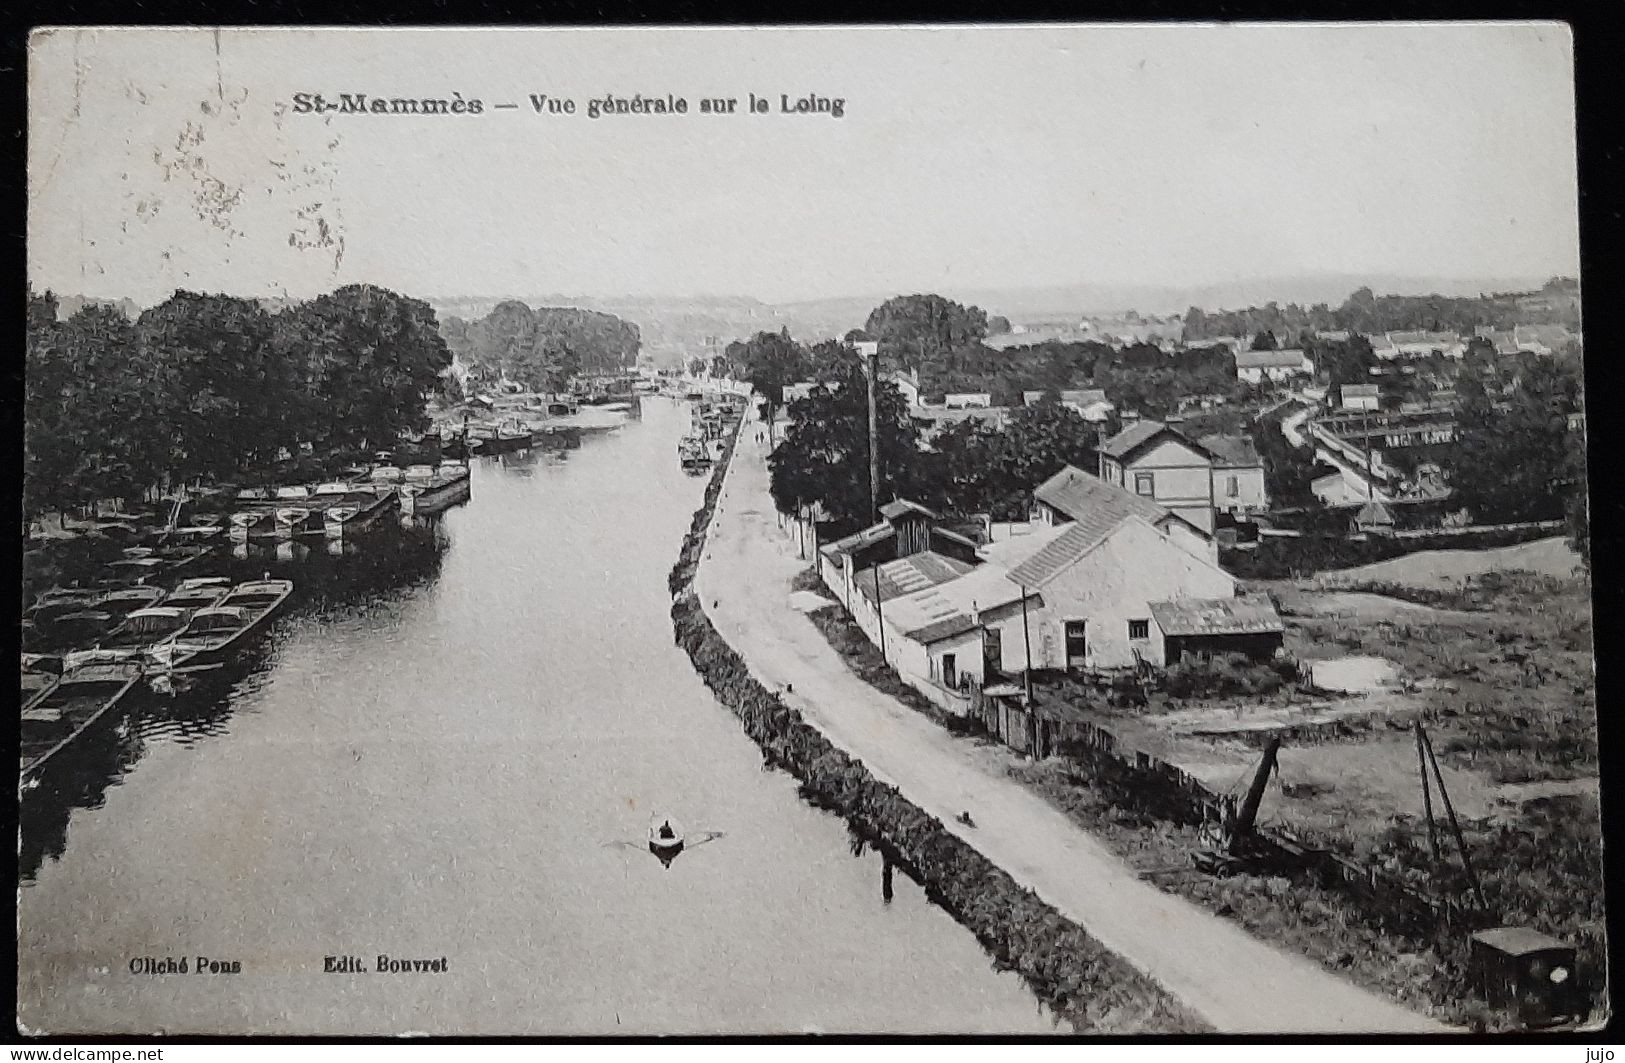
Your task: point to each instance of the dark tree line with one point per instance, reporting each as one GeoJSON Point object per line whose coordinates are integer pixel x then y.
{"type": "Point", "coordinates": [1555, 303]}
{"type": "Point", "coordinates": [542, 349]}
{"type": "Point", "coordinates": [210, 387]}
{"type": "Point", "coordinates": [1515, 457]}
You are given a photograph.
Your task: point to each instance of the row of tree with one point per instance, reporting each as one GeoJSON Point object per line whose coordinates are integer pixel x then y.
{"type": "Point", "coordinates": [968, 468]}
{"type": "Point", "coordinates": [542, 349]}
{"type": "Point", "coordinates": [1556, 303]}
{"type": "Point", "coordinates": [211, 387]}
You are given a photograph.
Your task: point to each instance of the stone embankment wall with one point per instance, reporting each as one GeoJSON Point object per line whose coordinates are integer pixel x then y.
{"type": "Point", "coordinates": [1072, 973]}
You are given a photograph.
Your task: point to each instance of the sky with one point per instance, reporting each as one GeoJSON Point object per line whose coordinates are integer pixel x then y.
{"type": "Point", "coordinates": [993, 157]}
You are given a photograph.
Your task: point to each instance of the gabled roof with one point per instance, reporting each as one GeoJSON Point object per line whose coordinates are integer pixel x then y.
{"type": "Point", "coordinates": [1231, 451]}
{"type": "Point", "coordinates": [955, 606]}
{"type": "Point", "coordinates": [899, 507]}
{"type": "Point", "coordinates": [1217, 616]}
{"type": "Point", "coordinates": [1291, 358]}
{"type": "Point", "coordinates": [1374, 513]}
{"type": "Point", "coordinates": [1077, 495]}
{"type": "Point", "coordinates": [907, 575]}
{"type": "Point", "coordinates": [1138, 435]}
{"type": "Point", "coordinates": [1081, 536]}
{"type": "Point", "coordinates": [1369, 391]}
{"type": "Point", "coordinates": [859, 540]}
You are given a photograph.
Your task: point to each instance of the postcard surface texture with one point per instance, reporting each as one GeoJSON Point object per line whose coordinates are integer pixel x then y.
{"type": "Point", "coordinates": [1023, 529]}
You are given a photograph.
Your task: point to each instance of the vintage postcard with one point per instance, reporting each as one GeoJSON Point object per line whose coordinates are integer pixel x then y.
{"type": "Point", "coordinates": [1023, 529]}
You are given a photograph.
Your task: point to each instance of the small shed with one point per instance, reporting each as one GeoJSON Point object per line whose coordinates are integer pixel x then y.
{"type": "Point", "coordinates": [1374, 518]}
{"type": "Point", "coordinates": [1527, 972]}
{"type": "Point", "coordinates": [1247, 625]}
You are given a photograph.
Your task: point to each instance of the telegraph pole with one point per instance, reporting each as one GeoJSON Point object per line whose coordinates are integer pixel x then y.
{"type": "Point", "coordinates": [874, 431]}
{"type": "Point", "coordinates": [1027, 642]}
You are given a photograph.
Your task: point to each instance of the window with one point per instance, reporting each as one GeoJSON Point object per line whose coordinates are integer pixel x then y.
{"type": "Point", "coordinates": [1139, 629]}
{"type": "Point", "coordinates": [1233, 486]}
{"type": "Point", "coordinates": [1144, 483]}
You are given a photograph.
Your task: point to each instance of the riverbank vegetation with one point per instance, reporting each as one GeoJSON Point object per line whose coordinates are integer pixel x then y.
{"type": "Point", "coordinates": [1082, 982]}
{"type": "Point", "coordinates": [541, 349]}
{"type": "Point", "coordinates": [209, 387]}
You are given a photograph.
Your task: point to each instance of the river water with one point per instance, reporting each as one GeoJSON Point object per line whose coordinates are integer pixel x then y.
{"type": "Point", "coordinates": [434, 756]}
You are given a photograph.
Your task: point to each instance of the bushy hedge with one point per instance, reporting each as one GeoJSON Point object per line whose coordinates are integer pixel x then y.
{"type": "Point", "coordinates": [1289, 558]}
{"type": "Point", "coordinates": [1228, 675]}
{"type": "Point", "coordinates": [1071, 972]}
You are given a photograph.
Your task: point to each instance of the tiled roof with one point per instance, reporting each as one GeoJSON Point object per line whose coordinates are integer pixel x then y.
{"type": "Point", "coordinates": [1132, 438]}
{"type": "Point", "coordinates": [906, 575]}
{"type": "Point", "coordinates": [1012, 551]}
{"type": "Point", "coordinates": [951, 608]}
{"type": "Point", "coordinates": [1074, 396]}
{"type": "Point", "coordinates": [900, 506]}
{"type": "Point", "coordinates": [1291, 358]}
{"type": "Point", "coordinates": [1217, 616]}
{"type": "Point", "coordinates": [1231, 451]}
{"type": "Point", "coordinates": [1082, 535]}
{"type": "Point", "coordinates": [858, 540]}
{"type": "Point", "coordinates": [1077, 494]}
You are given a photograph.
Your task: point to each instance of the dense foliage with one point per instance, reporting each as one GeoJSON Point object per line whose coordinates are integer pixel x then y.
{"type": "Point", "coordinates": [542, 349]}
{"type": "Point", "coordinates": [825, 453]}
{"type": "Point", "coordinates": [206, 387]}
{"type": "Point", "coordinates": [1513, 455]}
{"type": "Point", "coordinates": [1557, 302]}
{"type": "Point", "coordinates": [924, 331]}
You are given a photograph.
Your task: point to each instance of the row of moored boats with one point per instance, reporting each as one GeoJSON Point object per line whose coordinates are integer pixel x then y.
{"type": "Point", "coordinates": [134, 632]}
{"type": "Point", "coordinates": [342, 508]}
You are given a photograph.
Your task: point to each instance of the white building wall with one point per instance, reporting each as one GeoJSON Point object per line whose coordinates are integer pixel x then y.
{"type": "Point", "coordinates": [1251, 494]}
{"type": "Point", "coordinates": [1113, 584]}
{"type": "Point", "coordinates": [1181, 480]}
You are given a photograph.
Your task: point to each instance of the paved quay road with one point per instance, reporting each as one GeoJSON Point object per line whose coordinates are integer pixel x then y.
{"type": "Point", "coordinates": [442, 768]}
{"type": "Point", "coordinates": [1234, 981]}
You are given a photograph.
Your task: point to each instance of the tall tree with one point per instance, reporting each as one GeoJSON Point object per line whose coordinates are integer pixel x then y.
{"type": "Point", "coordinates": [375, 358]}
{"type": "Point", "coordinates": [1511, 457]}
{"type": "Point", "coordinates": [825, 453]}
{"type": "Point", "coordinates": [924, 331]}
{"type": "Point", "coordinates": [770, 361]}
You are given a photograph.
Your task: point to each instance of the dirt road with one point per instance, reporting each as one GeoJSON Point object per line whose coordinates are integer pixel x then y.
{"type": "Point", "coordinates": [1234, 981]}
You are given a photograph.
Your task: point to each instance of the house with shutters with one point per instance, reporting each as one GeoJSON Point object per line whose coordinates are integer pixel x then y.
{"type": "Point", "coordinates": [1101, 579]}
{"type": "Point", "coordinates": [1116, 553]}
{"type": "Point", "coordinates": [1195, 479]}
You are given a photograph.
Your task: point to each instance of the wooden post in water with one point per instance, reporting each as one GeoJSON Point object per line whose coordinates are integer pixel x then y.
{"type": "Point", "coordinates": [885, 878]}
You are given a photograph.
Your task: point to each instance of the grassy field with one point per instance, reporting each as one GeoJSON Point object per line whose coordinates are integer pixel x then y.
{"type": "Point", "coordinates": [1497, 666]}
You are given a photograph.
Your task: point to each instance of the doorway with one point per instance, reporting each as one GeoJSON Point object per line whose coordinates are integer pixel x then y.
{"type": "Point", "coordinates": [1077, 644]}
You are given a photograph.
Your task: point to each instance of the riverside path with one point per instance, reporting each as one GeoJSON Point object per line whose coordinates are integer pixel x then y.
{"type": "Point", "coordinates": [1234, 981]}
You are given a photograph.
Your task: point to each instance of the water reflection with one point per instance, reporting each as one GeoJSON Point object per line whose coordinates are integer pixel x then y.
{"type": "Point", "coordinates": [189, 709]}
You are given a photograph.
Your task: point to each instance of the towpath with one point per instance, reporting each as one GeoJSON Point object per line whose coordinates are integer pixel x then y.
{"type": "Point", "coordinates": [1234, 981]}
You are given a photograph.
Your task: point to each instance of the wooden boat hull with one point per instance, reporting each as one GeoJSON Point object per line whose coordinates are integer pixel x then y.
{"type": "Point", "coordinates": [69, 710]}
{"type": "Point", "coordinates": [185, 653]}
{"type": "Point", "coordinates": [361, 512]}
{"type": "Point", "coordinates": [438, 495]}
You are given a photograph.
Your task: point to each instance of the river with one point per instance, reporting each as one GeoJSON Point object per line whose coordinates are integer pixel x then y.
{"type": "Point", "coordinates": [435, 756]}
